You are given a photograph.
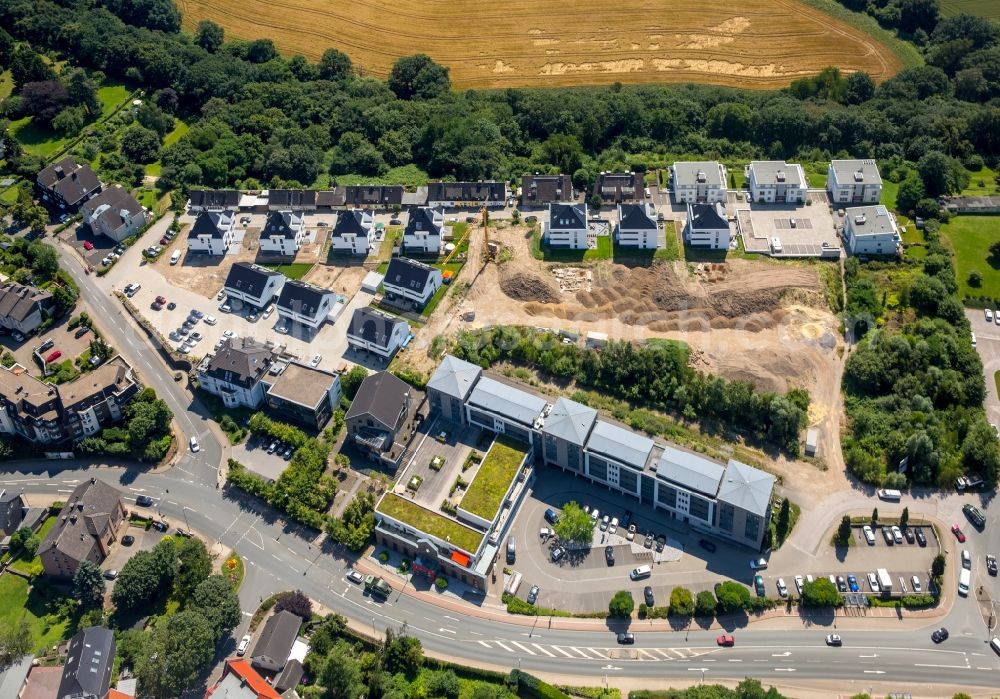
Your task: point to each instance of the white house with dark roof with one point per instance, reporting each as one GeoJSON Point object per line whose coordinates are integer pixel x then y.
{"type": "Point", "coordinates": [372, 330]}
{"type": "Point", "coordinates": [637, 226]}
{"type": "Point", "coordinates": [114, 213]}
{"type": "Point", "coordinates": [424, 232]}
{"type": "Point", "coordinates": [237, 373]}
{"type": "Point", "coordinates": [282, 234]}
{"type": "Point", "coordinates": [252, 284]}
{"type": "Point", "coordinates": [777, 182]}
{"type": "Point", "coordinates": [212, 232]}
{"type": "Point", "coordinates": [699, 182]}
{"type": "Point", "coordinates": [707, 226]}
{"type": "Point", "coordinates": [567, 227]}
{"type": "Point", "coordinates": [353, 233]}
{"type": "Point", "coordinates": [23, 307]}
{"type": "Point", "coordinates": [871, 230]}
{"type": "Point", "coordinates": [854, 182]}
{"type": "Point", "coordinates": [305, 304]}
{"type": "Point", "coordinates": [409, 283]}
{"type": "Point", "coordinates": [379, 415]}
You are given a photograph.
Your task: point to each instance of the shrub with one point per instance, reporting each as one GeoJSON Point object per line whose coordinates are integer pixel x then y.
{"type": "Point", "coordinates": [383, 556]}
{"type": "Point", "coordinates": [297, 603]}
{"type": "Point", "coordinates": [621, 605]}
{"type": "Point", "coordinates": [704, 604]}
{"type": "Point", "coordinates": [681, 602]}
{"type": "Point", "coordinates": [441, 583]}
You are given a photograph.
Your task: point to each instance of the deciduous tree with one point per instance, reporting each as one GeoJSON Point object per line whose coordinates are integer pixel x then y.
{"type": "Point", "coordinates": [574, 525]}
{"type": "Point", "coordinates": [621, 605]}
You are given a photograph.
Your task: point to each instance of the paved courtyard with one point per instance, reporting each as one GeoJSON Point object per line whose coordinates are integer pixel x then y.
{"type": "Point", "coordinates": [801, 229]}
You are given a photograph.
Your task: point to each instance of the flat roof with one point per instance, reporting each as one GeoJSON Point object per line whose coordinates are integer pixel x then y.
{"type": "Point", "coordinates": [303, 385]}
{"type": "Point", "coordinates": [513, 403]}
{"type": "Point", "coordinates": [425, 520]}
{"type": "Point", "coordinates": [856, 171]}
{"type": "Point", "coordinates": [705, 172]}
{"type": "Point", "coordinates": [690, 470]}
{"type": "Point", "coordinates": [494, 477]}
{"type": "Point", "coordinates": [871, 220]}
{"type": "Point", "coordinates": [767, 172]}
{"type": "Point", "coordinates": [620, 444]}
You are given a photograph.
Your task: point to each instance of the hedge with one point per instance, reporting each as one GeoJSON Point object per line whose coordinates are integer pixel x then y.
{"type": "Point", "coordinates": [533, 688]}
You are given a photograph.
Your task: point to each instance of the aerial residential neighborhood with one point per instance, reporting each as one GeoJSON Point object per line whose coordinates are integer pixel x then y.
{"type": "Point", "coordinates": [345, 362]}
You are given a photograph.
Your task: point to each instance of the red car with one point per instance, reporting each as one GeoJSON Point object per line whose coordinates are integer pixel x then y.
{"type": "Point", "coordinates": [164, 240]}
{"type": "Point", "coordinates": [957, 531]}
{"type": "Point", "coordinates": [52, 357]}
{"type": "Point", "coordinates": [161, 300]}
{"type": "Point", "coordinates": [87, 245]}
{"type": "Point", "coordinates": [726, 641]}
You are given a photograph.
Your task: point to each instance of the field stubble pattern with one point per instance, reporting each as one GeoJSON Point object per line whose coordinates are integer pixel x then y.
{"type": "Point", "coordinates": [756, 43]}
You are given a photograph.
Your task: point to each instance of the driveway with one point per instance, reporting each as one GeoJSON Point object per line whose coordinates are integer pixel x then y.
{"type": "Point", "coordinates": [988, 346]}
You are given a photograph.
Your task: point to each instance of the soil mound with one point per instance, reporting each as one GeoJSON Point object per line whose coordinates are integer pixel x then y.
{"type": "Point", "coordinates": [529, 287]}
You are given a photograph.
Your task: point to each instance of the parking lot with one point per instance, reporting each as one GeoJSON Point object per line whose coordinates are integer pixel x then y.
{"type": "Point", "coordinates": [801, 229]}
{"type": "Point", "coordinates": [256, 454]}
{"type": "Point", "coordinates": [145, 540]}
{"type": "Point", "coordinates": [64, 340]}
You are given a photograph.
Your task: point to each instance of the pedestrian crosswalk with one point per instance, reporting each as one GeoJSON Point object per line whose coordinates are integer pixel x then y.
{"type": "Point", "coordinates": [589, 653]}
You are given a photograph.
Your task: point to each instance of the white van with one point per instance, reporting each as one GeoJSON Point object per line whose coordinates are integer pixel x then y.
{"type": "Point", "coordinates": [641, 572]}
{"type": "Point", "coordinates": [964, 580]}
{"type": "Point", "coordinates": [175, 258]}
{"type": "Point", "coordinates": [995, 645]}
{"type": "Point", "coordinates": [869, 535]}
{"type": "Point", "coordinates": [890, 495]}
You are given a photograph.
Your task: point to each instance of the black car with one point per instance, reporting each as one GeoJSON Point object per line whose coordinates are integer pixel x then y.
{"type": "Point", "coordinates": [626, 519]}
{"type": "Point", "coordinates": [128, 540]}
{"type": "Point", "coordinates": [661, 541]}
{"type": "Point", "coordinates": [533, 594]}
{"type": "Point", "coordinates": [557, 553]}
{"type": "Point", "coordinates": [919, 533]}
{"type": "Point", "coordinates": [940, 635]}
{"type": "Point", "coordinates": [841, 583]}
{"type": "Point", "coordinates": [609, 555]}
{"type": "Point", "coordinates": [647, 594]}
{"type": "Point", "coordinates": [626, 638]}
{"type": "Point", "coordinates": [908, 533]}
{"type": "Point", "coordinates": [143, 500]}
{"type": "Point", "coordinates": [81, 331]}
{"type": "Point", "coordinates": [991, 564]}
{"type": "Point", "coordinates": [707, 545]}
{"type": "Point", "coordinates": [160, 526]}
{"type": "Point", "coordinates": [171, 306]}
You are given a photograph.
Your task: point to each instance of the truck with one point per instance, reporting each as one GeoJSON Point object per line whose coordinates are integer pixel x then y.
{"type": "Point", "coordinates": [963, 483]}
{"type": "Point", "coordinates": [884, 580]}
{"type": "Point", "coordinates": [377, 586]}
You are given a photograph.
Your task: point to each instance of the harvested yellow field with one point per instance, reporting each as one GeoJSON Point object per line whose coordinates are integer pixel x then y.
{"type": "Point", "coordinates": [754, 43]}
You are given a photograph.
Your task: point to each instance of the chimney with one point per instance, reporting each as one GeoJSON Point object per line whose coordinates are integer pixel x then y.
{"type": "Point", "coordinates": [59, 172]}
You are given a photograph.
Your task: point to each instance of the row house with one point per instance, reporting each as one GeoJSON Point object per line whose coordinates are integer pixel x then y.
{"type": "Point", "coordinates": [542, 190]}
{"type": "Point", "coordinates": [450, 195]}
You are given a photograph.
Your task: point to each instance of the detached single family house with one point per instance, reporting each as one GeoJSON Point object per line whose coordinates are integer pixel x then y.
{"type": "Point", "coordinates": [305, 395]}
{"type": "Point", "coordinates": [410, 284]}
{"type": "Point", "coordinates": [353, 233]}
{"type": "Point", "coordinates": [616, 187]}
{"type": "Point", "coordinates": [854, 182]}
{"type": "Point", "coordinates": [567, 227]}
{"type": "Point", "coordinates": [282, 234]}
{"type": "Point", "coordinates": [305, 304]}
{"type": "Point", "coordinates": [90, 658]}
{"type": "Point", "coordinates": [707, 226]}
{"type": "Point", "coordinates": [424, 232]}
{"type": "Point", "coordinates": [372, 330]}
{"type": "Point", "coordinates": [777, 182]}
{"type": "Point", "coordinates": [252, 284]}
{"type": "Point", "coordinates": [275, 642]}
{"type": "Point", "coordinates": [236, 373]}
{"type": "Point", "coordinates": [114, 213]}
{"type": "Point", "coordinates": [85, 530]}
{"type": "Point", "coordinates": [212, 232]}
{"type": "Point", "coordinates": [23, 308]}
{"type": "Point", "coordinates": [637, 226]}
{"type": "Point", "coordinates": [699, 183]}
{"type": "Point", "coordinates": [66, 184]}
{"type": "Point", "coordinates": [380, 416]}
{"type": "Point", "coordinates": [871, 230]}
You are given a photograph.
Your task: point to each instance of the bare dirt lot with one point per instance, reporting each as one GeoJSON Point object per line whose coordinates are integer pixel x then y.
{"type": "Point", "coordinates": [757, 43]}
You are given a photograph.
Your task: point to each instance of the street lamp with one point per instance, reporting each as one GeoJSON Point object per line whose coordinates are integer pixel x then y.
{"type": "Point", "coordinates": [374, 632]}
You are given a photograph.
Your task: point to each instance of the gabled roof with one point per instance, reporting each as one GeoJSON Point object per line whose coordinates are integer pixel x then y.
{"type": "Point", "coordinates": [543, 189]}
{"type": "Point", "coordinates": [241, 362]}
{"type": "Point", "coordinates": [283, 224]}
{"type": "Point", "coordinates": [276, 639]}
{"type": "Point", "coordinates": [707, 217]}
{"type": "Point", "coordinates": [568, 216]}
{"type": "Point", "coordinates": [110, 205]}
{"type": "Point", "coordinates": [467, 191]}
{"type": "Point", "coordinates": [302, 298]}
{"type": "Point", "coordinates": [241, 680]}
{"type": "Point", "coordinates": [507, 401]}
{"type": "Point", "coordinates": [382, 396]}
{"type": "Point", "coordinates": [372, 325]}
{"type": "Point", "coordinates": [690, 470]}
{"type": "Point", "coordinates": [18, 301]}
{"type": "Point", "coordinates": [371, 195]}
{"type": "Point", "coordinates": [747, 488]}
{"type": "Point", "coordinates": [570, 421]}
{"type": "Point", "coordinates": [70, 180]}
{"type": "Point", "coordinates": [455, 377]}
{"type": "Point", "coordinates": [620, 444]}
{"type": "Point", "coordinates": [249, 278]}
{"type": "Point", "coordinates": [214, 198]}
{"type": "Point", "coordinates": [87, 515]}
{"type": "Point", "coordinates": [408, 274]}
{"type": "Point", "coordinates": [355, 221]}
{"type": "Point", "coordinates": [331, 197]}
{"type": "Point", "coordinates": [291, 198]}
{"type": "Point", "coordinates": [89, 660]}
{"type": "Point", "coordinates": [211, 223]}
{"type": "Point", "coordinates": [635, 217]}
{"type": "Point", "coordinates": [424, 220]}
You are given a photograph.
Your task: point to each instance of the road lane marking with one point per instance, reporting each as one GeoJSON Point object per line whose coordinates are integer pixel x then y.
{"type": "Point", "coordinates": [524, 648]}
{"type": "Point", "coordinates": [485, 644]}
{"type": "Point", "coordinates": [500, 643]}
{"type": "Point", "coordinates": [963, 667]}
{"type": "Point", "coordinates": [542, 649]}
{"type": "Point", "coordinates": [600, 653]}
{"type": "Point", "coordinates": [443, 630]}
{"type": "Point", "coordinates": [736, 660]}
{"type": "Point", "coordinates": [580, 652]}
{"type": "Point", "coordinates": [560, 650]}
{"type": "Point", "coordinates": [874, 672]}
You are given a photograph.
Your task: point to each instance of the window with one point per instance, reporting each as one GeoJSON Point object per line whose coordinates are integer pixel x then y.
{"type": "Point", "coordinates": [598, 468]}
{"type": "Point", "coordinates": [668, 496]}
{"type": "Point", "coordinates": [726, 517]}
{"type": "Point", "coordinates": [551, 451]}
{"type": "Point", "coordinates": [628, 480]}
{"type": "Point", "coordinates": [573, 456]}
{"type": "Point", "coordinates": [698, 507]}
{"type": "Point", "coordinates": [752, 528]}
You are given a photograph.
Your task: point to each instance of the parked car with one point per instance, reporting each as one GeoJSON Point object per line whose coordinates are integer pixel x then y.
{"type": "Point", "coordinates": [852, 583]}
{"type": "Point", "coordinates": [226, 334]}
{"type": "Point", "coordinates": [609, 555]}
{"type": "Point", "coordinates": [991, 564]}
{"type": "Point", "coordinates": [193, 442]}
{"type": "Point", "coordinates": [758, 564]}
{"type": "Point", "coordinates": [605, 523]}
{"type": "Point", "coordinates": [799, 582]}
{"type": "Point", "coordinates": [128, 540]}
{"type": "Point", "coordinates": [613, 527]}
{"type": "Point", "coordinates": [725, 640]}
{"type": "Point", "coordinates": [758, 584]}
{"type": "Point", "coordinates": [908, 535]}
{"type": "Point", "coordinates": [160, 526]}
{"type": "Point", "coordinates": [834, 639]}
{"type": "Point", "coordinates": [919, 533]}
{"type": "Point", "coordinates": [111, 574]}
{"type": "Point", "coordinates": [533, 594]}
{"type": "Point", "coordinates": [241, 650]}
{"type": "Point", "coordinates": [966, 559]}
{"type": "Point", "coordinates": [87, 245]}
{"type": "Point", "coordinates": [915, 584]}
{"type": "Point", "coordinates": [81, 331]}
{"type": "Point", "coordinates": [648, 542]}
{"type": "Point", "coordinates": [957, 531]}
{"type": "Point", "coordinates": [171, 306]}
{"type": "Point", "coordinates": [940, 635]}
{"type": "Point", "coordinates": [287, 454]}
{"type": "Point", "coordinates": [869, 534]}
{"type": "Point", "coordinates": [18, 337]}
{"type": "Point", "coordinates": [355, 577]}
{"type": "Point", "coordinates": [225, 307]}
{"type": "Point", "coordinates": [143, 500]}
{"type": "Point", "coordinates": [707, 545]}
{"type": "Point", "coordinates": [630, 535]}
{"type": "Point", "coordinates": [252, 315]}
{"type": "Point", "coordinates": [211, 320]}
{"type": "Point", "coordinates": [196, 336]}
{"type": "Point", "coordinates": [661, 541]}
{"type": "Point", "coordinates": [873, 583]}
{"type": "Point", "coordinates": [48, 344]}
{"type": "Point", "coordinates": [221, 295]}
{"type": "Point", "coordinates": [647, 596]}
{"type": "Point", "coordinates": [53, 357]}
{"type": "Point", "coordinates": [557, 553]}
{"type": "Point", "coordinates": [626, 638]}
{"type": "Point", "coordinates": [782, 588]}
{"type": "Point", "coordinates": [271, 448]}
{"type": "Point", "coordinates": [196, 313]}
{"type": "Point", "coordinates": [897, 534]}
{"type": "Point", "coordinates": [314, 362]}
{"type": "Point", "coordinates": [887, 535]}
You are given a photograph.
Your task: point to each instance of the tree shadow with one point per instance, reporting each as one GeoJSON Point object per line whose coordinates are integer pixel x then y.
{"type": "Point", "coordinates": [840, 551]}
{"type": "Point", "coordinates": [817, 616]}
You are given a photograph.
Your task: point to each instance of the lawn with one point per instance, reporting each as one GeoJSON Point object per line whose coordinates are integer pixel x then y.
{"type": "Point", "coordinates": [6, 85]}
{"type": "Point", "coordinates": [982, 182]}
{"type": "Point", "coordinates": [669, 252]}
{"type": "Point", "coordinates": [889, 192]}
{"type": "Point", "coordinates": [430, 522]}
{"type": "Point", "coordinates": [39, 608]}
{"type": "Point", "coordinates": [970, 238]}
{"type": "Point", "coordinates": [492, 481]}
{"type": "Point", "coordinates": [37, 140]}
{"type": "Point", "coordinates": [293, 270]}
{"type": "Point", "coordinates": [180, 128]}
{"type": "Point", "coordinates": [454, 267]}
{"type": "Point", "coordinates": [982, 8]}
{"type": "Point", "coordinates": [34, 566]}
{"type": "Point", "coordinates": [540, 251]}
{"type": "Point", "coordinates": [111, 97]}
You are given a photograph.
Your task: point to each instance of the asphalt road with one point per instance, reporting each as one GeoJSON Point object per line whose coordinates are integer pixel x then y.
{"type": "Point", "coordinates": [278, 559]}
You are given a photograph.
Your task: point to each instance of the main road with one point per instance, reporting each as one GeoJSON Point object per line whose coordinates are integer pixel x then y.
{"type": "Point", "coordinates": [277, 558]}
